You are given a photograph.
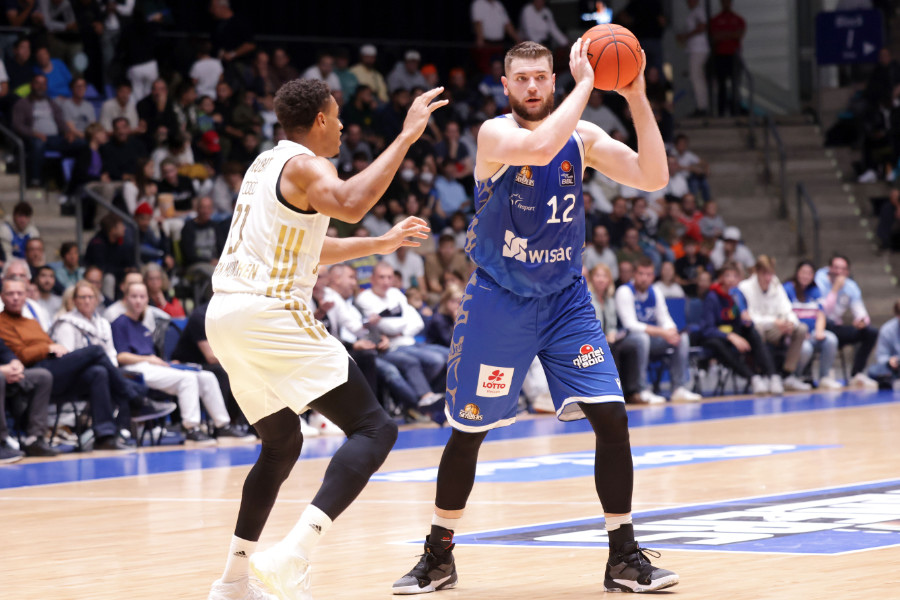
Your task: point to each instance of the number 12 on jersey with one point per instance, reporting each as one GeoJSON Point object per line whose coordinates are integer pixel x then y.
{"type": "Point", "coordinates": [565, 217]}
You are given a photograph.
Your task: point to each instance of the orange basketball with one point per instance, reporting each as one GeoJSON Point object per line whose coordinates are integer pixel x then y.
{"type": "Point", "coordinates": [615, 55]}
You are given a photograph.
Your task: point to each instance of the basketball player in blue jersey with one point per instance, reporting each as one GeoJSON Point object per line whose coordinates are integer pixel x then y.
{"type": "Point", "coordinates": [526, 239]}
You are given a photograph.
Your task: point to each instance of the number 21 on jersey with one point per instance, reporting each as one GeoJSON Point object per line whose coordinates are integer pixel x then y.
{"type": "Point", "coordinates": [238, 218]}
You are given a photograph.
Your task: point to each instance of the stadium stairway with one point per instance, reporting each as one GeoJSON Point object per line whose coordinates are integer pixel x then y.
{"type": "Point", "coordinates": [745, 199]}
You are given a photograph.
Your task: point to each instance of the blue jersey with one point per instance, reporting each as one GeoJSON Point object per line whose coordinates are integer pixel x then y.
{"type": "Point", "coordinates": [645, 310]}
{"type": "Point", "coordinates": [528, 232]}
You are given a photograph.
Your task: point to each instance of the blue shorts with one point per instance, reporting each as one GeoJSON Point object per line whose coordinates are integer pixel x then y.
{"type": "Point", "coordinates": [495, 339]}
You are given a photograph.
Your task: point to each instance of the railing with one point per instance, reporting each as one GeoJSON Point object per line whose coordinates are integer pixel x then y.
{"type": "Point", "coordinates": [803, 197]}
{"type": "Point", "coordinates": [90, 190]}
{"type": "Point", "coordinates": [772, 131]}
{"type": "Point", "coordinates": [10, 135]}
{"type": "Point", "coordinates": [751, 99]}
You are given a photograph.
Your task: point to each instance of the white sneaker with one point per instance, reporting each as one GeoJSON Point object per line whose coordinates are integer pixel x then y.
{"type": "Point", "coordinates": [10, 441]}
{"type": "Point", "coordinates": [759, 385]}
{"type": "Point", "coordinates": [795, 384]}
{"type": "Point", "coordinates": [649, 397]}
{"type": "Point", "coordinates": [324, 426]}
{"type": "Point", "coordinates": [863, 382]}
{"type": "Point", "coordinates": [283, 573]}
{"type": "Point", "coordinates": [775, 385]}
{"type": "Point", "coordinates": [682, 394]}
{"type": "Point", "coordinates": [246, 588]}
{"type": "Point", "coordinates": [830, 383]}
{"type": "Point", "coordinates": [430, 399]}
{"type": "Point", "coordinates": [306, 429]}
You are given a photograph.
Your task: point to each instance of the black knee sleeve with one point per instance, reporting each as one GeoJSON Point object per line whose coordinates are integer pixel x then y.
{"type": "Point", "coordinates": [456, 473]}
{"type": "Point", "coordinates": [613, 466]}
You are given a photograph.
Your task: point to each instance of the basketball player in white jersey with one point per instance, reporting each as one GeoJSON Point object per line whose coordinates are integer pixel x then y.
{"type": "Point", "coordinates": [279, 359]}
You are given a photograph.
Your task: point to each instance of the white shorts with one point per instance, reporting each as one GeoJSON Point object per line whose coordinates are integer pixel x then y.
{"type": "Point", "coordinates": [277, 356]}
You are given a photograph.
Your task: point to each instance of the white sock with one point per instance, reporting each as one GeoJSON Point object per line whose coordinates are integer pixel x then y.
{"type": "Point", "coordinates": [238, 564]}
{"type": "Point", "coordinates": [308, 531]}
{"type": "Point", "coordinates": [446, 523]}
{"type": "Point", "coordinates": [613, 523]}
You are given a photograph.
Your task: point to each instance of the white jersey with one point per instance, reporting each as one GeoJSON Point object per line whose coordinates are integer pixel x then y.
{"type": "Point", "coordinates": [273, 247]}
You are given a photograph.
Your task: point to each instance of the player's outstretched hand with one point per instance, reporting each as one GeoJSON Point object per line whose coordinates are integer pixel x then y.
{"type": "Point", "coordinates": [404, 234]}
{"type": "Point", "coordinates": [579, 63]}
{"type": "Point", "coordinates": [420, 111]}
{"type": "Point", "coordinates": [638, 87]}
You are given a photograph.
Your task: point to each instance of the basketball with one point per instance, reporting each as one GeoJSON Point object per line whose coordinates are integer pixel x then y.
{"type": "Point", "coordinates": [615, 54]}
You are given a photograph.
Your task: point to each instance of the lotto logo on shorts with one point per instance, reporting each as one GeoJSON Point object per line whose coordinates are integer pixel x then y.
{"type": "Point", "coordinates": [471, 412]}
{"type": "Point", "coordinates": [588, 356]}
{"type": "Point", "coordinates": [493, 381]}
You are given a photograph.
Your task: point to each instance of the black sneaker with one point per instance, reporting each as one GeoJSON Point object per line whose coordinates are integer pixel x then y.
{"type": "Point", "coordinates": [10, 455]}
{"type": "Point", "coordinates": [230, 431]}
{"type": "Point", "coordinates": [40, 448]}
{"type": "Point", "coordinates": [434, 571]}
{"type": "Point", "coordinates": [629, 570]}
{"type": "Point", "coordinates": [199, 438]}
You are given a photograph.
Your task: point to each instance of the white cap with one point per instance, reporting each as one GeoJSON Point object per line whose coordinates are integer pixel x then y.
{"type": "Point", "coordinates": [368, 50]}
{"type": "Point", "coordinates": [412, 55]}
{"type": "Point", "coordinates": [732, 233]}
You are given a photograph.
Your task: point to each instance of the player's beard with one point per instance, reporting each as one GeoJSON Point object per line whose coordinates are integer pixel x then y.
{"type": "Point", "coordinates": [534, 114]}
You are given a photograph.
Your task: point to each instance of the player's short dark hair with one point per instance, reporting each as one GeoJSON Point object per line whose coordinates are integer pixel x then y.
{"type": "Point", "coordinates": [298, 102]}
{"type": "Point", "coordinates": [527, 50]}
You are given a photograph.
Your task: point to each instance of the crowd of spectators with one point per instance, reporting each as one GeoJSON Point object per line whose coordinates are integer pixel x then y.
{"type": "Point", "coordinates": [672, 282]}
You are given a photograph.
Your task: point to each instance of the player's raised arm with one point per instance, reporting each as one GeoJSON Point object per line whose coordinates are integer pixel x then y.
{"type": "Point", "coordinates": [647, 169]}
{"type": "Point", "coordinates": [404, 233]}
{"type": "Point", "coordinates": [502, 142]}
{"type": "Point", "coordinates": [316, 179]}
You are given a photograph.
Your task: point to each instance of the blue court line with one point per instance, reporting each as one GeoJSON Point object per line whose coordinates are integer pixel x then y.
{"type": "Point", "coordinates": [47, 472]}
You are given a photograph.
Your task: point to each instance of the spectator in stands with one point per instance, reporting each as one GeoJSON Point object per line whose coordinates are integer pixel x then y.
{"type": "Point", "coordinates": [361, 110]}
{"type": "Point", "coordinates": [121, 154]}
{"type": "Point", "coordinates": [158, 291]}
{"type": "Point", "coordinates": [491, 86]}
{"type": "Point", "coordinates": [644, 314]}
{"type": "Point", "coordinates": [448, 257]}
{"type": "Point", "coordinates": [692, 167]}
{"type": "Point", "coordinates": [773, 316]}
{"type": "Point", "coordinates": [491, 24]}
{"type": "Point", "coordinates": [626, 273]}
{"type": "Point", "coordinates": [410, 265]}
{"type": "Point", "coordinates": [179, 186]}
{"type": "Point", "coordinates": [282, 69]}
{"type": "Point", "coordinates": [15, 232]}
{"type": "Point", "coordinates": [712, 225]}
{"type": "Point", "coordinates": [691, 217]}
{"type": "Point", "coordinates": [142, 188]}
{"type": "Point", "coordinates": [689, 266]}
{"type": "Point", "coordinates": [56, 72]}
{"type": "Point", "coordinates": [323, 70]}
{"type": "Point", "coordinates": [704, 281]}
{"type": "Point", "coordinates": [726, 30]}
{"type": "Point", "coordinates": [449, 193]}
{"type": "Point", "coordinates": [110, 251]}
{"type": "Point", "coordinates": [155, 245]}
{"type": "Point", "coordinates": [226, 189]}
{"type": "Point", "coordinates": [840, 294]}
{"type": "Point", "coordinates": [78, 112]}
{"type": "Point", "coordinates": [259, 78]}
{"type": "Point", "coordinates": [888, 229]}
{"type": "Point", "coordinates": [185, 108]}
{"type": "Point", "coordinates": [667, 285]}
{"type": "Point", "coordinates": [389, 118]}
{"type": "Point", "coordinates": [39, 121]}
{"type": "Point", "coordinates": [33, 386]}
{"type": "Point", "coordinates": [624, 349]}
{"type": "Point", "coordinates": [88, 168]}
{"type": "Point", "coordinates": [232, 39]}
{"type": "Point", "coordinates": [617, 222]}
{"type": "Point", "coordinates": [202, 242]}
{"type": "Point", "coordinates": [367, 73]}
{"type": "Point", "coordinates": [117, 15]}
{"type": "Point", "coordinates": [48, 299]}
{"type": "Point", "coordinates": [647, 21]}
{"type": "Point", "coordinates": [729, 335]}
{"type": "Point", "coordinates": [730, 249]}
{"type": "Point", "coordinates": [17, 268]}
{"type": "Point", "coordinates": [94, 276]}
{"type": "Point", "coordinates": [206, 70]}
{"type": "Point", "coordinates": [134, 344]}
{"type": "Point", "coordinates": [599, 252]}
{"type": "Point", "coordinates": [885, 77]}
{"type": "Point", "coordinates": [388, 311]}
{"type": "Point", "coordinates": [67, 270]}
{"type": "Point", "coordinates": [696, 44]}
{"type": "Point", "coordinates": [352, 142]}
{"type": "Point", "coordinates": [121, 105]}
{"type": "Point", "coordinates": [405, 74]}
{"type": "Point", "coordinates": [631, 250]}
{"type": "Point", "coordinates": [600, 115]}
{"type": "Point", "coordinates": [537, 24]}
{"type": "Point", "coordinates": [20, 68]}
{"type": "Point", "coordinates": [87, 370]}
{"type": "Point", "coordinates": [887, 352]}
{"type": "Point", "coordinates": [439, 330]}
{"type": "Point", "coordinates": [806, 300]}
{"type": "Point", "coordinates": [157, 110]}
{"type": "Point", "coordinates": [155, 319]}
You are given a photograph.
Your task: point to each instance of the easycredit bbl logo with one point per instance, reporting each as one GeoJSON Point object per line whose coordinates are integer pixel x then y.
{"type": "Point", "coordinates": [493, 381]}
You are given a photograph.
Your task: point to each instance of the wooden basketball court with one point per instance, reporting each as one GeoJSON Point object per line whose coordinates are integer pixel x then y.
{"type": "Point", "coordinates": [156, 524]}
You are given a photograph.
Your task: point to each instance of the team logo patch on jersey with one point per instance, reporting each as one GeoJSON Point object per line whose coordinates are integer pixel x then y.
{"type": "Point", "coordinates": [588, 356]}
{"type": "Point", "coordinates": [524, 176]}
{"type": "Point", "coordinates": [514, 246]}
{"type": "Point", "coordinates": [566, 174]}
{"type": "Point", "coordinates": [471, 412]}
{"type": "Point", "coordinates": [519, 202]}
{"type": "Point", "coordinates": [492, 382]}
